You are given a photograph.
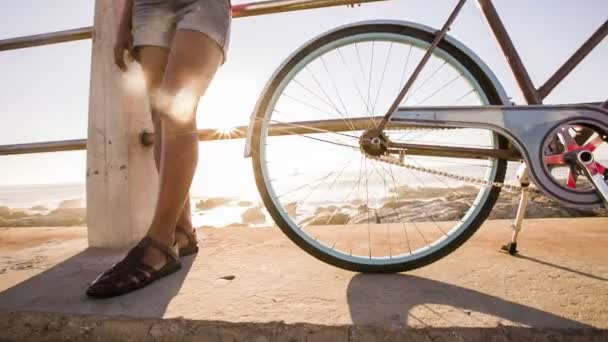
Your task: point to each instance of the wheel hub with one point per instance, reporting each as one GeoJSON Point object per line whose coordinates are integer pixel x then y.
{"type": "Point", "coordinates": [373, 142]}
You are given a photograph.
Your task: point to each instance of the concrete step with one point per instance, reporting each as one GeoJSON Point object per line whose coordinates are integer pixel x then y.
{"type": "Point", "coordinates": [255, 285]}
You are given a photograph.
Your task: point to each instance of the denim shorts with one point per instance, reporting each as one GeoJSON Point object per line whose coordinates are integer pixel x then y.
{"type": "Point", "coordinates": [154, 22]}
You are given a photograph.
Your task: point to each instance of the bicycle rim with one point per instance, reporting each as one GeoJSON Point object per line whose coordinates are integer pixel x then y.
{"type": "Point", "coordinates": [352, 211]}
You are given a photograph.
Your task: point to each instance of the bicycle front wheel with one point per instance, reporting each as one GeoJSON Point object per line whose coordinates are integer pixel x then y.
{"type": "Point", "coordinates": [331, 199]}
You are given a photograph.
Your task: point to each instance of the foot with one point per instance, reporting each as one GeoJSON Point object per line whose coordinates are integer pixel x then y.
{"type": "Point", "coordinates": [186, 240]}
{"type": "Point", "coordinates": [148, 261]}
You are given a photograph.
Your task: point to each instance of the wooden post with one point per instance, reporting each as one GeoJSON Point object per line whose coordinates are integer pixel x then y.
{"type": "Point", "coordinates": [121, 176]}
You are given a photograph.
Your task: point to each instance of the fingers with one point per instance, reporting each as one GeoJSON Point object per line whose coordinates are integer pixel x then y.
{"type": "Point", "coordinates": [123, 54]}
{"type": "Point", "coordinates": [123, 57]}
{"type": "Point", "coordinates": [119, 58]}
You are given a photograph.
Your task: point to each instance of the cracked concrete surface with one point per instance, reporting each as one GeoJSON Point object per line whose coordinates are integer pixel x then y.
{"type": "Point", "coordinates": [255, 285]}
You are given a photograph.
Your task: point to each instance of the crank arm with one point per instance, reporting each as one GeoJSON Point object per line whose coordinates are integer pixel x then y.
{"type": "Point", "coordinates": [452, 152]}
{"type": "Point", "coordinates": [586, 163]}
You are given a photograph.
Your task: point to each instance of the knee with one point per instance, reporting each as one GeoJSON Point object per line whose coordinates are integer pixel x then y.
{"type": "Point", "coordinates": [176, 111]}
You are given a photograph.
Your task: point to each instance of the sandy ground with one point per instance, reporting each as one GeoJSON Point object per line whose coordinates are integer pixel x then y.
{"type": "Point", "coordinates": [244, 275]}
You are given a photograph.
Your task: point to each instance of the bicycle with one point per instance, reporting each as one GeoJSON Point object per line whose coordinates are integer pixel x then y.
{"type": "Point", "coordinates": [313, 114]}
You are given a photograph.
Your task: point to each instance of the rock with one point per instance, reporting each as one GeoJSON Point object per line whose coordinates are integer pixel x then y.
{"type": "Point", "coordinates": [329, 219]}
{"type": "Point", "coordinates": [253, 216]}
{"type": "Point", "coordinates": [17, 214]}
{"type": "Point", "coordinates": [363, 208]}
{"type": "Point", "coordinates": [321, 210]}
{"type": "Point", "coordinates": [72, 204]}
{"type": "Point", "coordinates": [292, 207]}
{"type": "Point", "coordinates": [207, 227]}
{"type": "Point", "coordinates": [406, 192]}
{"type": "Point", "coordinates": [236, 225]}
{"type": "Point", "coordinates": [56, 218]}
{"type": "Point", "coordinates": [65, 217]}
{"type": "Point", "coordinates": [213, 202]}
{"type": "Point", "coordinates": [357, 201]}
{"type": "Point", "coordinates": [5, 212]}
{"type": "Point", "coordinates": [245, 204]}
{"type": "Point", "coordinates": [396, 204]}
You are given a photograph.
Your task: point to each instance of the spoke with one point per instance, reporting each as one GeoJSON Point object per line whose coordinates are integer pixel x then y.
{"type": "Point", "coordinates": [326, 95]}
{"type": "Point", "coordinates": [317, 96]}
{"type": "Point", "coordinates": [360, 62]}
{"type": "Point", "coordinates": [409, 247]}
{"type": "Point", "coordinates": [337, 93]}
{"type": "Point", "coordinates": [572, 176]}
{"type": "Point", "coordinates": [593, 144]}
{"type": "Point", "coordinates": [404, 69]}
{"type": "Point", "coordinates": [439, 90]}
{"type": "Point", "coordinates": [601, 168]}
{"type": "Point", "coordinates": [369, 83]}
{"type": "Point", "coordinates": [367, 104]}
{"type": "Point", "coordinates": [555, 159]}
{"type": "Point", "coordinates": [425, 81]}
{"type": "Point", "coordinates": [386, 194]}
{"type": "Point", "coordinates": [318, 182]}
{"type": "Point", "coordinates": [368, 109]}
{"type": "Point", "coordinates": [382, 77]}
{"type": "Point", "coordinates": [395, 199]}
{"type": "Point", "coordinates": [369, 237]}
{"type": "Point", "coordinates": [314, 182]}
{"type": "Point", "coordinates": [458, 99]}
{"type": "Point", "coordinates": [293, 124]}
{"type": "Point", "coordinates": [398, 186]}
{"type": "Point", "coordinates": [332, 185]}
{"type": "Point", "coordinates": [346, 198]}
{"type": "Point", "coordinates": [310, 105]}
{"type": "Point", "coordinates": [352, 147]}
{"type": "Point", "coordinates": [445, 184]}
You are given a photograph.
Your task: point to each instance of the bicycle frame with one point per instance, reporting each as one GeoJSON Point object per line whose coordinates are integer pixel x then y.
{"type": "Point", "coordinates": [536, 95]}
{"type": "Point", "coordinates": [533, 95]}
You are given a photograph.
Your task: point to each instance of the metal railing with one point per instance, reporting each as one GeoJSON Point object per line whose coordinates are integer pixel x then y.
{"type": "Point", "coordinates": [238, 11]}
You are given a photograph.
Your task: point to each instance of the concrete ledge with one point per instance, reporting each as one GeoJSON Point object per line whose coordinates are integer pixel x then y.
{"type": "Point", "coordinates": [255, 285]}
{"type": "Point", "coordinates": [31, 326]}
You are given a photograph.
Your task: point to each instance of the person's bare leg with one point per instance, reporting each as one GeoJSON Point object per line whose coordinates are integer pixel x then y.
{"type": "Point", "coordinates": [193, 60]}
{"type": "Point", "coordinates": [153, 60]}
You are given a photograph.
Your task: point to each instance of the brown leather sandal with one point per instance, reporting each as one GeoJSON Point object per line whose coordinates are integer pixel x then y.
{"type": "Point", "coordinates": [131, 273]}
{"type": "Point", "coordinates": [192, 246]}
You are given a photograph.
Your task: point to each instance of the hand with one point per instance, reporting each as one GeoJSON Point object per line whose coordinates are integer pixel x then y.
{"type": "Point", "coordinates": [124, 42]}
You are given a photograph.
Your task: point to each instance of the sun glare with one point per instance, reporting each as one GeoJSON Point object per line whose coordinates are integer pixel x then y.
{"type": "Point", "coordinates": [133, 80]}
{"type": "Point", "coordinates": [179, 106]}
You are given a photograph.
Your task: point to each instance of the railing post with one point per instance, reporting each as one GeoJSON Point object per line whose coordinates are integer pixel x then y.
{"type": "Point", "coordinates": [121, 177]}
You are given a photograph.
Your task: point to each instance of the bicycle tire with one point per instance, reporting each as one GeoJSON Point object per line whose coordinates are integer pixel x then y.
{"type": "Point", "coordinates": [482, 78]}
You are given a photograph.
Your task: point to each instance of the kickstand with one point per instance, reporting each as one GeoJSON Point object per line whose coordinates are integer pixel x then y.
{"type": "Point", "coordinates": [524, 181]}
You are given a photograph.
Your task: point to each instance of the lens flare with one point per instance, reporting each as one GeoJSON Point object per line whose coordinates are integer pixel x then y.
{"type": "Point", "coordinates": [133, 80]}
{"type": "Point", "coordinates": [178, 107]}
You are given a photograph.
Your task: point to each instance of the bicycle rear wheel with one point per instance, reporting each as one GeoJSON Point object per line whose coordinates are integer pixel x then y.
{"type": "Point", "coordinates": [326, 195]}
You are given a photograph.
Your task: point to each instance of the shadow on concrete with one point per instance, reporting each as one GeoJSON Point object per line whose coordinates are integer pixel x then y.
{"type": "Point", "coordinates": [563, 268]}
{"type": "Point", "coordinates": [62, 287]}
{"type": "Point", "coordinates": [400, 299]}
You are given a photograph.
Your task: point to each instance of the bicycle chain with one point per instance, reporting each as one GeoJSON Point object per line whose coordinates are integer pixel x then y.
{"type": "Point", "coordinates": [466, 179]}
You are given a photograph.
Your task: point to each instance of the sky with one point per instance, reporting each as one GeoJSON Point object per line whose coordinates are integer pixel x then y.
{"type": "Point", "coordinates": [44, 90]}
